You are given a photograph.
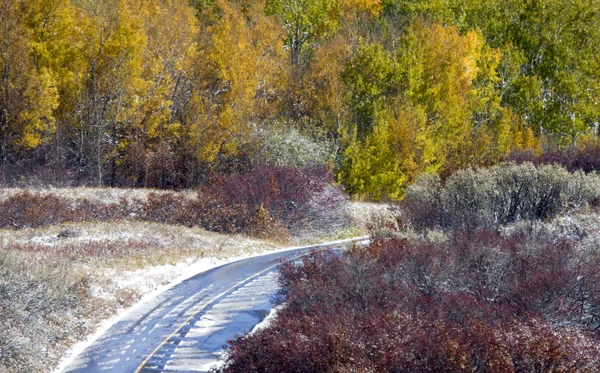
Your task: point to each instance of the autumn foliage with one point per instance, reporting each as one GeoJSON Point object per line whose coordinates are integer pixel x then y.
{"type": "Point", "coordinates": [167, 94]}
{"type": "Point", "coordinates": [479, 302]}
{"type": "Point", "coordinates": [266, 201]}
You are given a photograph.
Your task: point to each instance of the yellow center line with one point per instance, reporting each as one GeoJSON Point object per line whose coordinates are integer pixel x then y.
{"type": "Point", "coordinates": [214, 299]}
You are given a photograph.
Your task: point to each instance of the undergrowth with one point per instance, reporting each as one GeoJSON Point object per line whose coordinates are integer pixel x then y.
{"type": "Point", "coordinates": [44, 309]}
{"type": "Point", "coordinates": [470, 284]}
{"type": "Point", "coordinates": [495, 196]}
{"type": "Point", "coordinates": [54, 247]}
{"type": "Point", "coordinates": [585, 157]}
{"type": "Point", "coordinates": [267, 202]}
{"type": "Point", "coordinates": [479, 302]}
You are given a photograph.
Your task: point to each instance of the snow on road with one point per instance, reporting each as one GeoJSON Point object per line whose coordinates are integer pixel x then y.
{"type": "Point", "coordinates": [183, 328]}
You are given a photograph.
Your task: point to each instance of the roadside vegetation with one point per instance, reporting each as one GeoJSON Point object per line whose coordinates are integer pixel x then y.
{"type": "Point", "coordinates": [70, 259]}
{"type": "Point", "coordinates": [493, 269]}
{"type": "Point", "coordinates": [59, 282]}
{"type": "Point", "coordinates": [267, 201]}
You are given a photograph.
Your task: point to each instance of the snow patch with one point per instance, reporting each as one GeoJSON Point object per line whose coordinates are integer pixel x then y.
{"type": "Point", "coordinates": [268, 320]}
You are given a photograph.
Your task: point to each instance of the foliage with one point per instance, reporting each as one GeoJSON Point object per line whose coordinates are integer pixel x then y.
{"type": "Point", "coordinates": [264, 200]}
{"type": "Point", "coordinates": [299, 198]}
{"type": "Point", "coordinates": [28, 97]}
{"type": "Point", "coordinates": [497, 195]}
{"type": "Point", "coordinates": [428, 106]}
{"type": "Point", "coordinates": [288, 147]}
{"type": "Point", "coordinates": [479, 301]}
{"type": "Point", "coordinates": [305, 21]}
{"type": "Point", "coordinates": [166, 94]}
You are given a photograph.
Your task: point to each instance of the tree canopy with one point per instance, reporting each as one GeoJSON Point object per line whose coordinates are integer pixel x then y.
{"type": "Point", "coordinates": [166, 93]}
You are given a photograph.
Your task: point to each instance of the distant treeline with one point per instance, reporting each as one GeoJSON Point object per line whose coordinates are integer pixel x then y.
{"type": "Point", "coordinates": [166, 93]}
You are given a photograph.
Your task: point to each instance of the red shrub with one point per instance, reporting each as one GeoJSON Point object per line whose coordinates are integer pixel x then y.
{"type": "Point", "coordinates": [263, 201]}
{"type": "Point", "coordinates": [287, 192]}
{"type": "Point", "coordinates": [584, 158]}
{"type": "Point", "coordinates": [85, 251]}
{"type": "Point", "coordinates": [25, 210]}
{"type": "Point", "coordinates": [481, 302]}
{"type": "Point", "coordinates": [29, 210]}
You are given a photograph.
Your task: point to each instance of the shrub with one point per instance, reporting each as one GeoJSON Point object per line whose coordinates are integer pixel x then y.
{"type": "Point", "coordinates": [422, 203]}
{"type": "Point", "coordinates": [34, 300]}
{"type": "Point", "coordinates": [584, 158]}
{"type": "Point", "coordinates": [288, 147]}
{"type": "Point", "coordinates": [479, 302]}
{"type": "Point", "coordinates": [30, 210]}
{"type": "Point", "coordinates": [83, 252]}
{"type": "Point", "coordinates": [266, 201]}
{"type": "Point", "coordinates": [489, 197]}
{"type": "Point", "coordinates": [299, 198]}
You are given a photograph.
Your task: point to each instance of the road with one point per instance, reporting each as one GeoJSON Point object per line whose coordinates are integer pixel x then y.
{"type": "Point", "coordinates": [185, 328]}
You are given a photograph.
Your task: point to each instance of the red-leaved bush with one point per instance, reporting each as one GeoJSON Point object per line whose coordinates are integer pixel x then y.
{"type": "Point", "coordinates": [267, 200]}
{"type": "Point", "coordinates": [478, 303]}
{"type": "Point", "coordinates": [584, 158]}
{"type": "Point", "coordinates": [298, 198]}
{"type": "Point", "coordinates": [31, 210]}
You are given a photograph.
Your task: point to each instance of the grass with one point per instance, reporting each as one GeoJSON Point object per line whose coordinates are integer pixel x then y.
{"type": "Point", "coordinates": [68, 285]}
{"type": "Point", "coordinates": [70, 276]}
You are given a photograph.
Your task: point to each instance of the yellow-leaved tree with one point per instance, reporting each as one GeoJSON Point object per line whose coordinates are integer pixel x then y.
{"type": "Point", "coordinates": [430, 105]}
{"type": "Point", "coordinates": [155, 150]}
{"type": "Point", "coordinates": [241, 71]}
{"type": "Point", "coordinates": [28, 94]}
{"type": "Point", "coordinates": [112, 84]}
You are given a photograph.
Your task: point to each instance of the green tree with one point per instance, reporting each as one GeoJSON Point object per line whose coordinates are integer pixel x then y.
{"type": "Point", "coordinates": [429, 106]}
{"type": "Point", "coordinates": [305, 21]}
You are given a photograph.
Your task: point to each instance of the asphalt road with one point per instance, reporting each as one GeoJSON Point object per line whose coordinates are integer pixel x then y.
{"type": "Point", "coordinates": [185, 328]}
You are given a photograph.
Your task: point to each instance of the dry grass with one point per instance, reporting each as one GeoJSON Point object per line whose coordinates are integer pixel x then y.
{"type": "Point", "coordinates": [94, 195]}
{"type": "Point", "coordinates": [59, 282]}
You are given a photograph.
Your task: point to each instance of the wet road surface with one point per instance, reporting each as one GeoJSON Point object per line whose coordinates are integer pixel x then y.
{"type": "Point", "coordinates": [185, 328]}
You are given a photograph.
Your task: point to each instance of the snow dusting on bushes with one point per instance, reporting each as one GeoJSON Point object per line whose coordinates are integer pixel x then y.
{"type": "Point", "coordinates": [266, 201]}
{"type": "Point", "coordinates": [55, 245]}
{"type": "Point", "coordinates": [479, 302]}
{"type": "Point", "coordinates": [485, 282]}
{"type": "Point", "coordinates": [288, 147]}
{"type": "Point", "coordinates": [490, 197]}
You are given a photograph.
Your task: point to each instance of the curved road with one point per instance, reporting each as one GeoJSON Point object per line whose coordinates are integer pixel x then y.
{"type": "Point", "coordinates": [185, 328]}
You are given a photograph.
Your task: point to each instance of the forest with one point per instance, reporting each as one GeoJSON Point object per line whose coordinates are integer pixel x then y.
{"type": "Point", "coordinates": [170, 93]}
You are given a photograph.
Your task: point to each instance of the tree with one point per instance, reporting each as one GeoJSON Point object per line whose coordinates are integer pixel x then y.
{"type": "Point", "coordinates": [429, 106]}
{"type": "Point", "coordinates": [305, 21]}
{"type": "Point", "coordinates": [241, 76]}
{"type": "Point", "coordinates": [28, 96]}
{"type": "Point", "coordinates": [549, 73]}
{"type": "Point", "coordinates": [154, 150]}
